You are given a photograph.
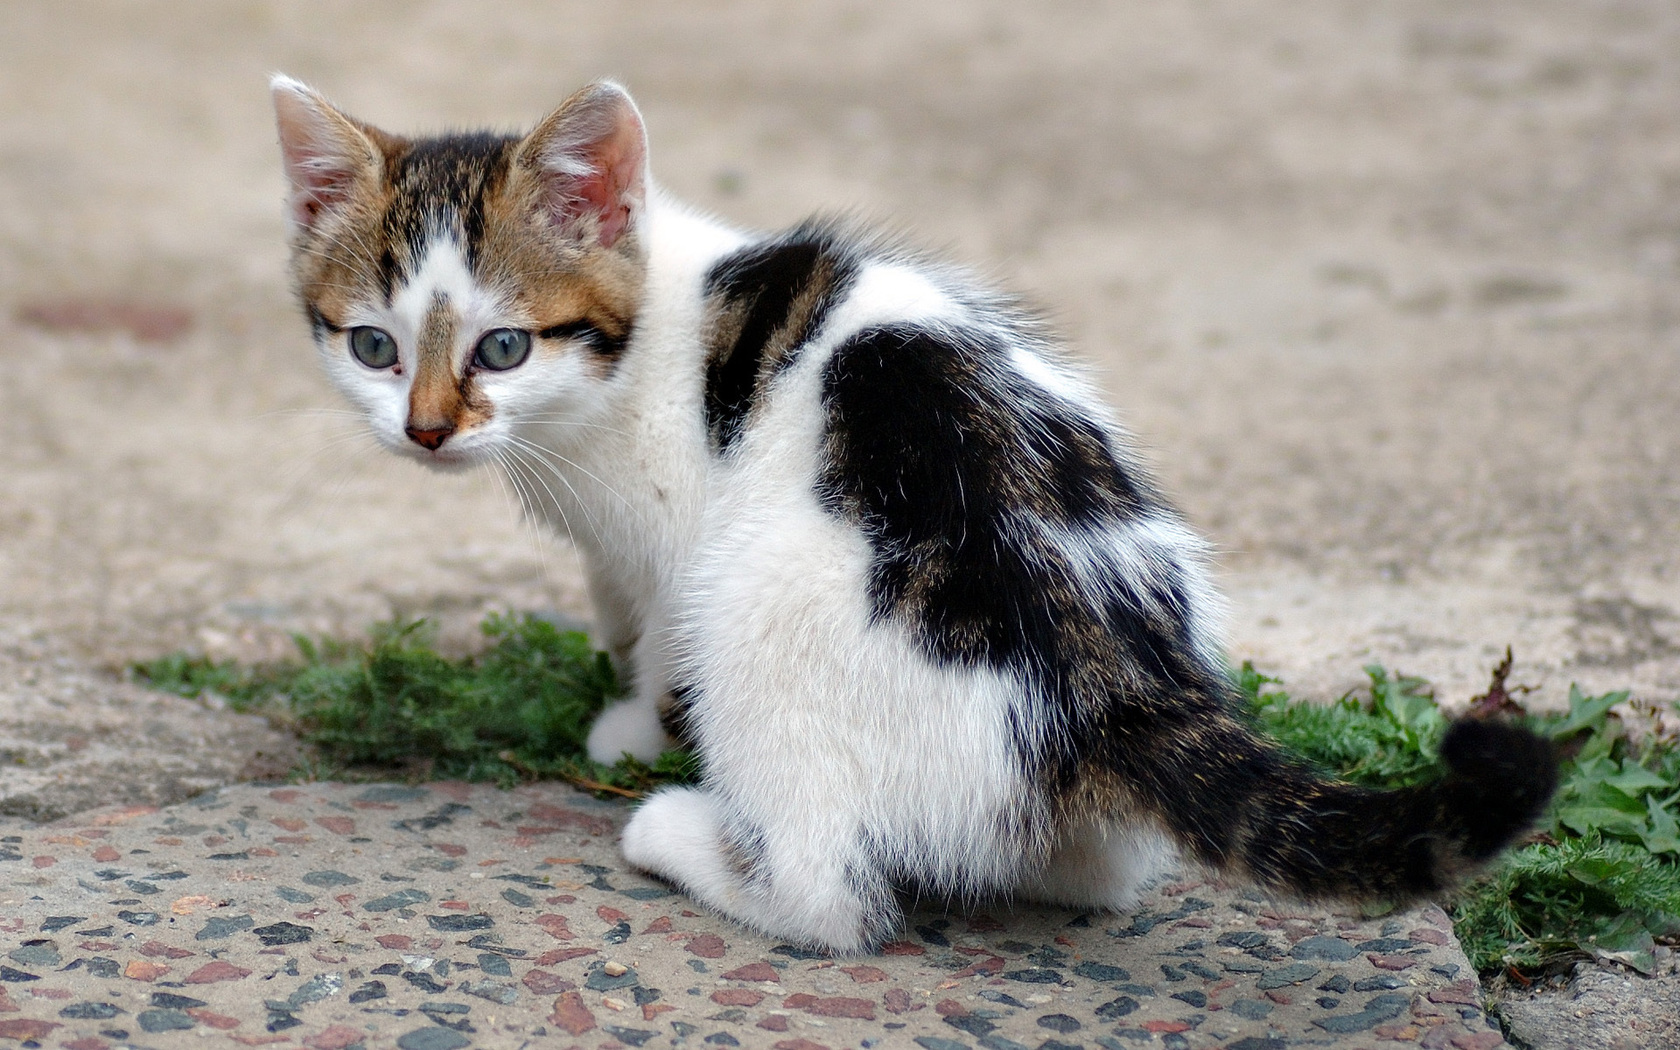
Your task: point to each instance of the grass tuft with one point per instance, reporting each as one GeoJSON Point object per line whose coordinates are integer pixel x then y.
{"type": "Point", "coordinates": [518, 710]}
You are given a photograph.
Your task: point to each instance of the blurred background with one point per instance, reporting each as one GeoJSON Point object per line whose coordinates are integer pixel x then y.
{"type": "Point", "coordinates": [1388, 289]}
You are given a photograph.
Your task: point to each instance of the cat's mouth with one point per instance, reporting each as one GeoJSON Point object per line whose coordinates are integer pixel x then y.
{"type": "Point", "coordinates": [447, 457]}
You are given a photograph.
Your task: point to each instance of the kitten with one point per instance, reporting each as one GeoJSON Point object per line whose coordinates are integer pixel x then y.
{"type": "Point", "coordinates": [859, 532]}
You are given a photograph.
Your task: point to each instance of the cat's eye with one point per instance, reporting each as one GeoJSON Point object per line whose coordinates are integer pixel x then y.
{"type": "Point", "coordinates": [373, 347]}
{"type": "Point", "coordinates": [503, 349]}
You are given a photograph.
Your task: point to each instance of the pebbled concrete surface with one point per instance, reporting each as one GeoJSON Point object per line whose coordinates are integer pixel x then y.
{"type": "Point", "coordinates": [328, 916]}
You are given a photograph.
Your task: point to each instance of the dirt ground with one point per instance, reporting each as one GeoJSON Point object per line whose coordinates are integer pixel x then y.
{"type": "Point", "coordinates": [1388, 288]}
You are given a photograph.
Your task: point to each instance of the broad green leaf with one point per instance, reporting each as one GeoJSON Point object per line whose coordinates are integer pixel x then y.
{"type": "Point", "coordinates": [1635, 779]}
{"type": "Point", "coordinates": [1664, 833]}
{"type": "Point", "coordinates": [1582, 819]}
{"type": "Point", "coordinates": [1625, 940]}
{"type": "Point", "coordinates": [1585, 712]}
{"type": "Point", "coordinates": [1593, 870]}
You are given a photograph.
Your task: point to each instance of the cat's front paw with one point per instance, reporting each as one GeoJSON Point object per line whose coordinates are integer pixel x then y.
{"type": "Point", "coordinates": [628, 726]}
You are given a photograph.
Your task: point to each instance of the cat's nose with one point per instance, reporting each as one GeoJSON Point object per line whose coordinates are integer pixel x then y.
{"type": "Point", "coordinates": [430, 438]}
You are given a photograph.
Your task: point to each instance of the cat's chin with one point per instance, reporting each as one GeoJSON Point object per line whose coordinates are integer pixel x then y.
{"type": "Point", "coordinates": [446, 460]}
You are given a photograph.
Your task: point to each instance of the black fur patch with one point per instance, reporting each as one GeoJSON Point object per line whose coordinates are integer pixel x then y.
{"type": "Point", "coordinates": [439, 186]}
{"type": "Point", "coordinates": [947, 458]}
{"type": "Point", "coordinates": [602, 342]}
{"type": "Point", "coordinates": [967, 479]}
{"type": "Point", "coordinates": [766, 302]}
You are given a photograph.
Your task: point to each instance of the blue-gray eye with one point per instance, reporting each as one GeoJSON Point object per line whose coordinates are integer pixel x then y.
{"type": "Point", "coordinates": [503, 349]}
{"type": "Point", "coordinates": [373, 347]}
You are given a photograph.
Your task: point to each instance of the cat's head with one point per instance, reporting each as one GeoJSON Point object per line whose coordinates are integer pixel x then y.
{"type": "Point", "coordinates": [459, 284]}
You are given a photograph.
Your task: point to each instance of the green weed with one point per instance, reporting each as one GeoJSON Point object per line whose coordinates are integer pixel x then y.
{"type": "Point", "coordinates": [520, 709]}
{"type": "Point", "coordinates": [1602, 876]}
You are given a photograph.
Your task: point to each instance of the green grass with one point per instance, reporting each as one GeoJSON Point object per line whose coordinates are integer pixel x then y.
{"type": "Point", "coordinates": [1601, 877]}
{"type": "Point", "coordinates": [519, 709]}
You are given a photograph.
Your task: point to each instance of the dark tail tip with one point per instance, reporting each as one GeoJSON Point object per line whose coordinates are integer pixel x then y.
{"type": "Point", "coordinates": [1502, 777]}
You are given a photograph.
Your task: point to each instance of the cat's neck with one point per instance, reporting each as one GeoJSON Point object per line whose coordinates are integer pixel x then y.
{"type": "Point", "coordinates": [634, 469]}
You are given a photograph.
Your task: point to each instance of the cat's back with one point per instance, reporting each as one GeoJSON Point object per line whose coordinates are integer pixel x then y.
{"type": "Point", "coordinates": [868, 392]}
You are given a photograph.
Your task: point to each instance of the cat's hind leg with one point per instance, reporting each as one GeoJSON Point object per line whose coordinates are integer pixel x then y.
{"type": "Point", "coordinates": [807, 887]}
{"type": "Point", "coordinates": [1098, 864]}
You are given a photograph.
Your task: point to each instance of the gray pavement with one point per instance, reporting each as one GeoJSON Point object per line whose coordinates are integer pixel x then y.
{"type": "Point", "coordinates": [443, 916]}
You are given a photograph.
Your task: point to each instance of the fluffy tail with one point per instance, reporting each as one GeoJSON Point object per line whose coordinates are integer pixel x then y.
{"type": "Point", "coordinates": [1279, 823]}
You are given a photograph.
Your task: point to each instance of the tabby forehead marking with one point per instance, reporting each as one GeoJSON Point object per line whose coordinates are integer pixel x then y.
{"type": "Point", "coordinates": [439, 187]}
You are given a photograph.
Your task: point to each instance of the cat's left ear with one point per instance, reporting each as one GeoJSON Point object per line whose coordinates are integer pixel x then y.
{"type": "Point", "coordinates": [590, 159]}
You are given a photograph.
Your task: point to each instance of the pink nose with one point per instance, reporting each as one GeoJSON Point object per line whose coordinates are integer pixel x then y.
{"type": "Point", "coordinates": [431, 439]}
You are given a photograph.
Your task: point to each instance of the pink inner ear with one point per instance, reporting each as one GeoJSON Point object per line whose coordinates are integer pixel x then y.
{"type": "Point", "coordinates": [317, 184]}
{"type": "Point", "coordinates": [598, 196]}
{"type": "Point", "coordinates": [596, 184]}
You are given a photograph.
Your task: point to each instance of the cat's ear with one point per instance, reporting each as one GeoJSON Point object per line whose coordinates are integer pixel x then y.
{"type": "Point", "coordinates": [324, 152]}
{"type": "Point", "coordinates": [590, 160]}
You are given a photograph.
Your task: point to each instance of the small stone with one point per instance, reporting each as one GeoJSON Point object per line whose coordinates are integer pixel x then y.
{"type": "Point", "coordinates": [541, 982]}
{"type": "Point", "coordinates": [141, 970]}
{"type": "Point", "coordinates": [424, 981]}
{"type": "Point", "coordinates": [1294, 973]}
{"type": "Point", "coordinates": [400, 899]}
{"type": "Point", "coordinates": [1095, 971]}
{"type": "Point", "coordinates": [459, 923]}
{"type": "Point", "coordinates": [434, 1039]}
{"type": "Point", "coordinates": [89, 1011]}
{"type": "Point", "coordinates": [164, 1020]}
{"type": "Point", "coordinates": [1332, 949]}
{"type": "Point", "coordinates": [614, 969]}
{"type": "Point", "coordinates": [322, 986]}
{"type": "Point", "coordinates": [1034, 975]}
{"type": "Point", "coordinates": [368, 992]}
{"type": "Point", "coordinates": [762, 971]}
{"type": "Point", "coordinates": [284, 933]}
{"type": "Point", "coordinates": [1463, 993]}
{"type": "Point", "coordinates": [218, 928]}
{"type": "Point", "coordinates": [494, 965]}
{"type": "Point", "coordinates": [1380, 1008]}
{"type": "Point", "coordinates": [1116, 1008]}
{"type": "Point", "coordinates": [24, 1028]}
{"type": "Point", "coordinates": [329, 878]}
{"type": "Point", "coordinates": [1337, 984]}
{"type": "Point", "coordinates": [707, 946]}
{"type": "Point", "coordinates": [1379, 983]}
{"type": "Point", "coordinates": [1251, 1009]}
{"type": "Point", "coordinates": [1063, 1023]}
{"type": "Point", "coordinates": [171, 1001]}
{"type": "Point", "coordinates": [571, 1014]}
{"type": "Point", "coordinates": [1384, 945]}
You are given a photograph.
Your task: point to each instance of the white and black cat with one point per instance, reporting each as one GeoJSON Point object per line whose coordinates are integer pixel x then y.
{"type": "Point", "coordinates": [859, 533]}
